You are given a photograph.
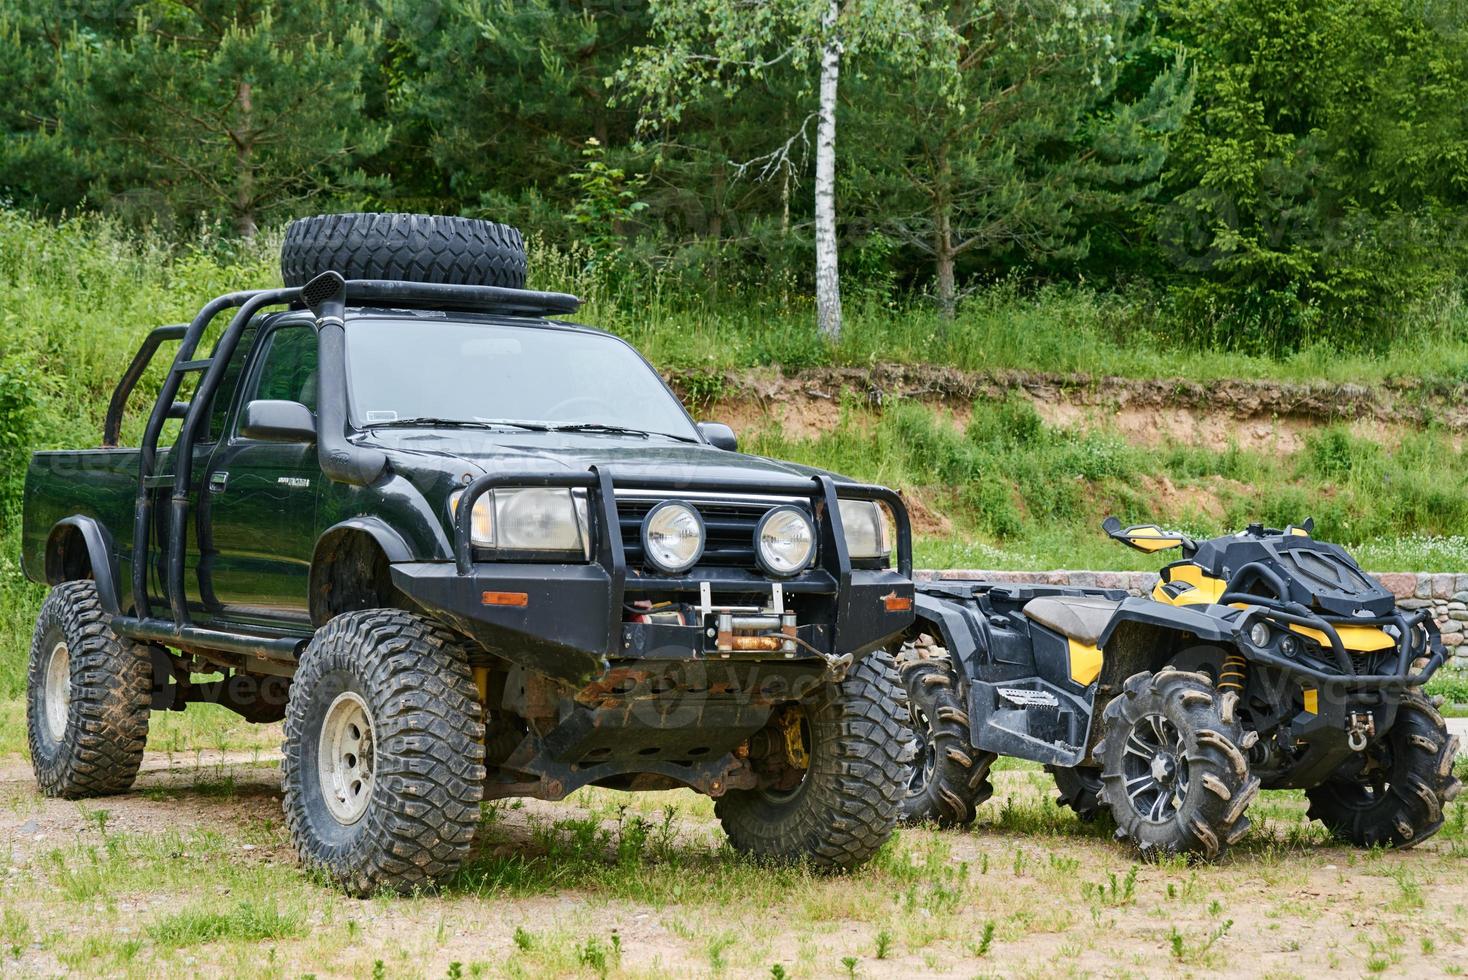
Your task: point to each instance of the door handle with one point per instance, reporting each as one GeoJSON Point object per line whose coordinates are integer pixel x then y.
{"type": "Point", "coordinates": [218, 480]}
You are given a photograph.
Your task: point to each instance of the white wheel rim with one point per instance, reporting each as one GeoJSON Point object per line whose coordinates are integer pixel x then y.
{"type": "Point", "coordinates": [346, 760]}
{"type": "Point", "coordinates": [58, 691]}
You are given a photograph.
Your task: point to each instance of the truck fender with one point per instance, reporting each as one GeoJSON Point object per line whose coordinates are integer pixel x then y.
{"type": "Point", "coordinates": [101, 557]}
{"type": "Point", "coordinates": [387, 537]}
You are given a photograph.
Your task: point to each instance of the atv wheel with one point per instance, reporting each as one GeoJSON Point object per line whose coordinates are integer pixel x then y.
{"type": "Point", "coordinates": [949, 778]}
{"type": "Point", "coordinates": [405, 248]}
{"type": "Point", "coordinates": [1399, 797]}
{"type": "Point", "coordinates": [1172, 771]}
{"type": "Point", "coordinates": [847, 801]}
{"type": "Point", "coordinates": [89, 693]}
{"type": "Point", "coordinates": [1080, 789]}
{"type": "Point", "coordinates": [383, 766]}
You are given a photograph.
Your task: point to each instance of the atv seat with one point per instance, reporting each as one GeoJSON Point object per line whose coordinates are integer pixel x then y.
{"type": "Point", "coordinates": [1082, 618]}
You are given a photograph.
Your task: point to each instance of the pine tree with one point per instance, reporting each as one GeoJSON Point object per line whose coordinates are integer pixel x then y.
{"type": "Point", "coordinates": [233, 108]}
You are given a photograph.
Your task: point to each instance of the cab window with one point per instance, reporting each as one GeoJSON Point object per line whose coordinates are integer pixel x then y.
{"type": "Point", "coordinates": [287, 367]}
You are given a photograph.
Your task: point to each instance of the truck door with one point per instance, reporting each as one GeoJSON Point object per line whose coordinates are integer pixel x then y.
{"type": "Point", "coordinates": [257, 506]}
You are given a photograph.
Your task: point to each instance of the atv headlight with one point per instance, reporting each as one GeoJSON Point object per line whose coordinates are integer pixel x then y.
{"type": "Point", "coordinates": [865, 529]}
{"type": "Point", "coordinates": [785, 541]}
{"type": "Point", "coordinates": [672, 536]}
{"type": "Point", "coordinates": [1259, 634]}
{"type": "Point", "coordinates": [533, 521]}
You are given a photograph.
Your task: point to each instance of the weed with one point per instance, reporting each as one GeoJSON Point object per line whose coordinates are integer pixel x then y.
{"type": "Point", "coordinates": [1179, 943]}
{"type": "Point", "coordinates": [884, 944]}
{"type": "Point", "coordinates": [986, 941]}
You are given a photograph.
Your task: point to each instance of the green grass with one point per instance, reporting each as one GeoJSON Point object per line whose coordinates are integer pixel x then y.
{"type": "Point", "coordinates": [1023, 494]}
{"type": "Point", "coordinates": [248, 921]}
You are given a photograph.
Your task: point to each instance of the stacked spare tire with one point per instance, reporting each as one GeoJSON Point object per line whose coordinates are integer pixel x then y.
{"type": "Point", "coordinates": [404, 248]}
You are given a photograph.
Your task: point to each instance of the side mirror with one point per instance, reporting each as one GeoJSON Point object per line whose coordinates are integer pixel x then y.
{"type": "Point", "coordinates": [278, 421]}
{"type": "Point", "coordinates": [719, 435]}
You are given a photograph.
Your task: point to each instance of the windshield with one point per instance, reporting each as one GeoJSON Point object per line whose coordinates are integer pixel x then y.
{"type": "Point", "coordinates": [470, 372]}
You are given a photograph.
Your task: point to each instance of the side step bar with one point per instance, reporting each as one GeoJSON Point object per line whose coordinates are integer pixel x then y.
{"type": "Point", "coordinates": [283, 649]}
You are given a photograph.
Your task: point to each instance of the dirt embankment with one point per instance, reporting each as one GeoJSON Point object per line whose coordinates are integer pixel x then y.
{"type": "Point", "coordinates": [1251, 414]}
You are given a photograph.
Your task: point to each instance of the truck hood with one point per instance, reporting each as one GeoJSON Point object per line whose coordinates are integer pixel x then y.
{"type": "Point", "coordinates": [627, 457]}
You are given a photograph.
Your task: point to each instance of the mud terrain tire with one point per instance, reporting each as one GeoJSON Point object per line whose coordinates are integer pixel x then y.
{"type": "Point", "coordinates": [383, 766]}
{"type": "Point", "coordinates": [405, 248]}
{"type": "Point", "coordinates": [1080, 790]}
{"type": "Point", "coordinates": [1407, 806]}
{"type": "Point", "coordinates": [847, 805]}
{"type": "Point", "coordinates": [1172, 769]}
{"type": "Point", "coordinates": [88, 739]}
{"type": "Point", "coordinates": [948, 779]}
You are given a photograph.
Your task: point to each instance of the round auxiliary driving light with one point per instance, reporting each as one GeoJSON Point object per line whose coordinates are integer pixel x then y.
{"type": "Point", "coordinates": [672, 536]}
{"type": "Point", "coordinates": [785, 541]}
{"type": "Point", "coordinates": [1259, 635]}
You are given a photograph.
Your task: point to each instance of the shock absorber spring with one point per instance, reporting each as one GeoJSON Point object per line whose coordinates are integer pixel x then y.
{"type": "Point", "coordinates": [1234, 673]}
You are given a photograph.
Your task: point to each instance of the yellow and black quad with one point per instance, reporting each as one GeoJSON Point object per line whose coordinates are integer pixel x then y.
{"type": "Point", "coordinates": [1263, 659]}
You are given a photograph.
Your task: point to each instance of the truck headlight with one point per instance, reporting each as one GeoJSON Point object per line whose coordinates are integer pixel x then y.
{"type": "Point", "coordinates": [530, 520]}
{"type": "Point", "coordinates": [784, 541]}
{"type": "Point", "coordinates": [865, 529]}
{"type": "Point", "coordinates": [673, 536]}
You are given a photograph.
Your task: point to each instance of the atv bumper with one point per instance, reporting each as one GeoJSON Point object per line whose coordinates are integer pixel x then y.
{"type": "Point", "coordinates": [569, 621]}
{"type": "Point", "coordinates": [1417, 642]}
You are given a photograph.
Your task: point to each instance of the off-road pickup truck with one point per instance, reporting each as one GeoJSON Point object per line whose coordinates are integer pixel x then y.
{"type": "Point", "coordinates": [465, 550]}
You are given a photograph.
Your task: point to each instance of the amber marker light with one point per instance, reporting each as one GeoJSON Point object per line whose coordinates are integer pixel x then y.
{"type": "Point", "coordinates": [897, 603]}
{"type": "Point", "coordinates": [520, 599]}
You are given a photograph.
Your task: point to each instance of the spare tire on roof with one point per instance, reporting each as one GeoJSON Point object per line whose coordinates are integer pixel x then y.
{"type": "Point", "coordinates": [405, 248]}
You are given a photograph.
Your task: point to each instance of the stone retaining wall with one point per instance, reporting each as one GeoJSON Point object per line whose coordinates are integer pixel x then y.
{"type": "Point", "coordinates": [1445, 593]}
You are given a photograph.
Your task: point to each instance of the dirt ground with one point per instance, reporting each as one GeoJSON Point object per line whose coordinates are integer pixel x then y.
{"type": "Point", "coordinates": [193, 873]}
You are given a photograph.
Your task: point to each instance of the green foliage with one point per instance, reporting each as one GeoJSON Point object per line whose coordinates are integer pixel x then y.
{"type": "Point", "coordinates": [607, 200]}
{"type": "Point", "coordinates": [1023, 141]}
{"type": "Point", "coordinates": [1316, 193]}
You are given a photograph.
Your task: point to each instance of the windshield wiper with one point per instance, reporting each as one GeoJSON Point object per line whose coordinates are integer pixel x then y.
{"type": "Point", "coordinates": [620, 430]}
{"type": "Point", "coordinates": [429, 422]}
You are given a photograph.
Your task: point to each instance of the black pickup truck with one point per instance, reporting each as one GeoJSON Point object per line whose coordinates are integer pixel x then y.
{"type": "Point", "coordinates": [465, 550]}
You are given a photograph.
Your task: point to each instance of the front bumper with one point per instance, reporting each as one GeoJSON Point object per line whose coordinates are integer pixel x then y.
{"type": "Point", "coordinates": [567, 620]}
{"type": "Point", "coordinates": [1417, 638]}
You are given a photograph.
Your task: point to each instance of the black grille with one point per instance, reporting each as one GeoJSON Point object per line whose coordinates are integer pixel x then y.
{"type": "Point", "coordinates": [729, 525]}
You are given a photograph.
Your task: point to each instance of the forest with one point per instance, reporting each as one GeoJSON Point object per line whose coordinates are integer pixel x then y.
{"type": "Point", "coordinates": [1259, 176]}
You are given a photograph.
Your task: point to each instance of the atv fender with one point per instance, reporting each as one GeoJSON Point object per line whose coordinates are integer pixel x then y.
{"type": "Point", "coordinates": [1148, 635]}
{"type": "Point", "coordinates": [1198, 621]}
{"type": "Point", "coordinates": [1017, 703]}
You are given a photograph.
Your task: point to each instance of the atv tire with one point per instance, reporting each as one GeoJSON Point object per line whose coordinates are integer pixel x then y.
{"type": "Point", "coordinates": [846, 805]}
{"type": "Point", "coordinates": [89, 694]}
{"type": "Point", "coordinates": [1172, 769]}
{"type": "Point", "coordinates": [1080, 790]}
{"type": "Point", "coordinates": [948, 779]}
{"type": "Point", "coordinates": [383, 767]}
{"type": "Point", "coordinates": [404, 248]}
{"type": "Point", "coordinates": [1405, 805]}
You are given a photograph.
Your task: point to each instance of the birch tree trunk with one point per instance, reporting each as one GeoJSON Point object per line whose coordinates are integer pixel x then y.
{"type": "Point", "coordinates": [943, 250]}
{"type": "Point", "coordinates": [244, 136]}
{"type": "Point", "coordinates": [828, 281]}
